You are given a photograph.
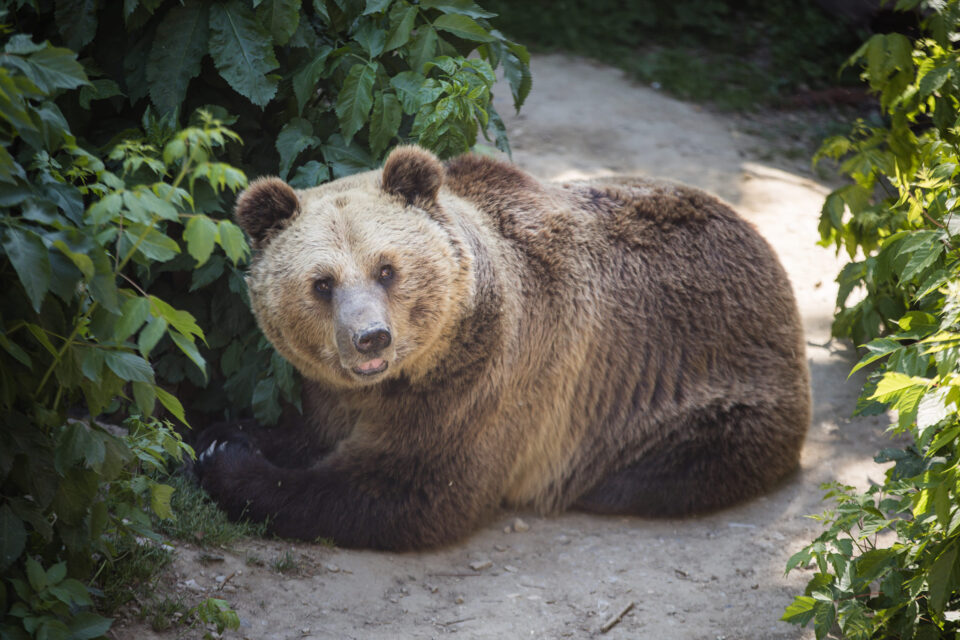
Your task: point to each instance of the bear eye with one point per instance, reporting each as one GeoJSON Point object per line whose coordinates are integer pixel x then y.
{"type": "Point", "coordinates": [323, 287]}
{"type": "Point", "coordinates": [386, 274]}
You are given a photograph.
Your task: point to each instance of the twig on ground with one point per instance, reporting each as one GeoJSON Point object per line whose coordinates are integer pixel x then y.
{"type": "Point", "coordinates": [612, 622]}
{"type": "Point", "coordinates": [225, 581]}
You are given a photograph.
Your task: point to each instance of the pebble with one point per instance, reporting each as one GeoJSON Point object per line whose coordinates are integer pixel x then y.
{"type": "Point", "coordinates": [510, 568]}
{"type": "Point", "coordinates": [332, 568]}
{"type": "Point", "coordinates": [480, 565]}
{"type": "Point", "coordinates": [520, 526]}
{"type": "Point", "coordinates": [459, 600]}
{"type": "Point", "coordinates": [220, 579]}
{"type": "Point", "coordinates": [193, 586]}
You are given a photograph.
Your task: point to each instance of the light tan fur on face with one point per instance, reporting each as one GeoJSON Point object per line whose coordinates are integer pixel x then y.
{"type": "Point", "coordinates": [348, 235]}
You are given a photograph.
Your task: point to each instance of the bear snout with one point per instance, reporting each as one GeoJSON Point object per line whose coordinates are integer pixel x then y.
{"type": "Point", "coordinates": [372, 340]}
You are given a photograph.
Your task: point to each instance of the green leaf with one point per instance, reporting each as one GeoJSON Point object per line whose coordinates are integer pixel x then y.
{"type": "Point", "coordinates": [281, 18]}
{"type": "Point", "coordinates": [187, 346]}
{"type": "Point", "coordinates": [134, 313]}
{"type": "Point", "coordinates": [160, 500]}
{"type": "Point", "coordinates": [295, 137]}
{"type": "Point", "coordinates": [80, 260]}
{"type": "Point", "coordinates": [144, 206]}
{"type": "Point", "coordinates": [170, 403]}
{"type": "Point", "coordinates": [14, 350]}
{"type": "Point", "coordinates": [892, 384]}
{"type": "Point", "coordinates": [57, 573]}
{"type": "Point", "coordinates": [181, 320]}
{"type": "Point", "coordinates": [13, 537]}
{"type": "Point", "coordinates": [384, 122]}
{"type": "Point", "coordinates": [463, 27]}
{"type": "Point", "coordinates": [933, 409]}
{"type": "Point", "coordinates": [375, 6]}
{"type": "Point", "coordinates": [175, 58]}
{"type": "Point", "coordinates": [86, 625]}
{"type": "Point", "coordinates": [266, 407]}
{"type": "Point", "coordinates": [824, 616]}
{"type": "Point", "coordinates": [105, 209]}
{"type": "Point", "coordinates": [876, 349]}
{"type": "Point", "coordinates": [151, 335]}
{"type": "Point", "coordinates": [36, 575]}
{"type": "Point", "coordinates": [408, 85]}
{"type": "Point", "coordinates": [465, 7]}
{"type": "Point", "coordinates": [400, 31]}
{"type": "Point", "coordinates": [201, 235]}
{"type": "Point", "coordinates": [145, 397]}
{"type": "Point", "coordinates": [309, 175]}
{"type": "Point", "coordinates": [232, 241]}
{"type": "Point", "coordinates": [933, 79]}
{"type": "Point", "coordinates": [9, 168]}
{"type": "Point", "coordinates": [103, 286]}
{"type": "Point", "coordinates": [154, 245]}
{"type": "Point", "coordinates": [346, 159]}
{"type": "Point", "coordinates": [242, 51]}
{"type": "Point", "coordinates": [29, 258]}
{"type": "Point", "coordinates": [305, 80]}
{"type": "Point", "coordinates": [519, 77]}
{"type": "Point", "coordinates": [921, 249]}
{"type": "Point", "coordinates": [938, 577]}
{"type": "Point", "coordinates": [50, 68]}
{"type": "Point", "coordinates": [128, 366]}
{"type": "Point", "coordinates": [371, 37]}
{"type": "Point", "coordinates": [210, 271]}
{"type": "Point", "coordinates": [356, 98]}
{"type": "Point", "coordinates": [77, 22]}
{"type": "Point", "coordinates": [800, 611]}
{"type": "Point", "coordinates": [423, 49]}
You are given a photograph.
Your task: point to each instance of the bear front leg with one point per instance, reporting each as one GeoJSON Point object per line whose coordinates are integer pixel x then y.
{"type": "Point", "coordinates": [357, 498]}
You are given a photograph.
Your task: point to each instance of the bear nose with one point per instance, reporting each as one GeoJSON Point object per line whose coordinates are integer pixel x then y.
{"type": "Point", "coordinates": [372, 340]}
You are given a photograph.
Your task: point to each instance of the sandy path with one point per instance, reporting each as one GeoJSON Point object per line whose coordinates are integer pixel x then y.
{"type": "Point", "coordinates": [719, 576]}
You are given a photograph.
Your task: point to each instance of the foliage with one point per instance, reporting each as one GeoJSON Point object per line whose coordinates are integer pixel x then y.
{"type": "Point", "coordinates": [319, 90]}
{"type": "Point", "coordinates": [216, 612]}
{"type": "Point", "coordinates": [888, 563]}
{"type": "Point", "coordinates": [199, 520]}
{"type": "Point", "coordinates": [735, 54]}
{"type": "Point", "coordinates": [124, 297]}
{"type": "Point", "coordinates": [82, 239]}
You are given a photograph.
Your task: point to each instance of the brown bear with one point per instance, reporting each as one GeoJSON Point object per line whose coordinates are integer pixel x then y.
{"type": "Point", "coordinates": [470, 337]}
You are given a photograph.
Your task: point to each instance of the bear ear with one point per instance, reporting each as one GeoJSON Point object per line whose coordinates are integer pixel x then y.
{"type": "Point", "coordinates": [265, 207]}
{"type": "Point", "coordinates": [414, 174]}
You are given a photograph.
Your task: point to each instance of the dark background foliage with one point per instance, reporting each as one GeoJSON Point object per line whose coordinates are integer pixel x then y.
{"type": "Point", "coordinates": [733, 53]}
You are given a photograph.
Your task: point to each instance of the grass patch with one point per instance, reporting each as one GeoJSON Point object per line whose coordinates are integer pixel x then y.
{"type": "Point", "coordinates": [734, 54]}
{"type": "Point", "coordinates": [132, 574]}
{"type": "Point", "coordinates": [199, 520]}
{"type": "Point", "coordinates": [285, 563]}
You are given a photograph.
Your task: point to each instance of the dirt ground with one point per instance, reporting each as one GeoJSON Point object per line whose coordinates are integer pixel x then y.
{"type": "Point", "coordinates": [712, 577]}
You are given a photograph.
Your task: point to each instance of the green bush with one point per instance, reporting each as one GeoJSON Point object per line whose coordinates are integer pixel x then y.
{"type": "Point", "coordinates": [77, 328]}
{"type": "Point", "coordinates": [888, 562]}
{"type": "Point", "coordinates": [318, 90]}
{"type": "Point", "coordinates": [124, 299]}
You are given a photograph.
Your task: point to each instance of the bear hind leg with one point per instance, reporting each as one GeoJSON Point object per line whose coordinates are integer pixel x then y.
{"type": "Point", "coordinates": [711, 460]}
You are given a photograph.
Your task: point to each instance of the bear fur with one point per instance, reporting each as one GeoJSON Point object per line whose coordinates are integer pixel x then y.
{"type": "Point", "coordinates": [470, 337]}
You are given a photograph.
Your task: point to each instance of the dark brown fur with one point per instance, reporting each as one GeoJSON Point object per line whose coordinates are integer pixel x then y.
{"type": "Point", "coordinates": [265, 208]}
{"type": "Point", "coordinates": [621, 346]}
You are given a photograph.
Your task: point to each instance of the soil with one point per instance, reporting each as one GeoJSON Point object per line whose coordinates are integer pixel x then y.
{"type": "Point", "coordinates": [709, 577]}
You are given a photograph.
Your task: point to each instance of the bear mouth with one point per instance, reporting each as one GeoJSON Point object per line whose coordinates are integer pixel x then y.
{"type": "Point", "coordinates": [371, 367]}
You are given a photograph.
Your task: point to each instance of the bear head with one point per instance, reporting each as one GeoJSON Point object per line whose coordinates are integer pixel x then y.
{"type": "Point", "coordinates": [361, 279]}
